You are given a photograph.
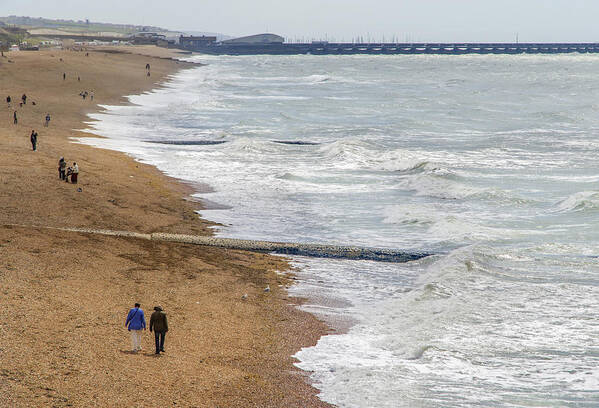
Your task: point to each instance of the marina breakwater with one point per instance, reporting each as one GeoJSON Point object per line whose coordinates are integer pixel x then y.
{"type": "Point", "coordinates": [326, 48]}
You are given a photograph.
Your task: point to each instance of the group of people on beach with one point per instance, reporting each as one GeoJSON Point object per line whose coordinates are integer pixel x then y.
{"type": "Point", "coordinates": [84, 95]}
{"type": "Point", "coordinates": [64, 171]}
{"type": "Point", "coordinates": [136, 322]}
{"type": "Point", "coordinates": [33, 137]}
{"type": "Point", "coordinates": [23, 102]}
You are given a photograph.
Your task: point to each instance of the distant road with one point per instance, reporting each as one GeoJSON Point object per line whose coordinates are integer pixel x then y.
{"type": "Point", "coordinates": [82, 37]}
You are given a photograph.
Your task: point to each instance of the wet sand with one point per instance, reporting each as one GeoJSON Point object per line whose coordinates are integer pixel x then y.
{"type": "Point", "coordinates": [64, 296]}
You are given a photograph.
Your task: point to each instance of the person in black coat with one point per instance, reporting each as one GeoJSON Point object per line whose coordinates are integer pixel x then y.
{"type": "Point", "coordinates": [159, 324]}
{"type": "Point", "coordinates": [33, 139]}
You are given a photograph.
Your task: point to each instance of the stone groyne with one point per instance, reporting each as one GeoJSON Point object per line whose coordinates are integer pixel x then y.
{"type": "Point", "coordinates": [286, 248]}
{"type": "Point", "coordinates": [304, 249]}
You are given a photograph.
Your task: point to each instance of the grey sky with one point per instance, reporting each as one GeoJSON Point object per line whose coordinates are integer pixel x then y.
{"type": "Point", "coordinates": [413, 20]}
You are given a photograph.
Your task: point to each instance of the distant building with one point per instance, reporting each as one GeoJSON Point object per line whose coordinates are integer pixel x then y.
{"type": "Point", "coordinates": [165, 43]}
{"type": "Point", "coordinates": [237, 46]}
{"type": "Point", "coordinates": [258, 39]}
{"type": "Point", "coordinates": [148, 38]}
{"type": "Point", "coordinates": [193, 42]}
{"type": "Point", "coordinates": [68, 43]}
{"type": "Point", "coordinates": [148, 34]}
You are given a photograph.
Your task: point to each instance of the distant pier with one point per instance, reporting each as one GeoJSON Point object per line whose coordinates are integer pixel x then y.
{"type": "Point", "coordinates": [326, 48]}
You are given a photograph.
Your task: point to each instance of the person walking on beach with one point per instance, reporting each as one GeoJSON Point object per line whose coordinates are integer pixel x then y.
{"type": "Point", "coordinates": [159, 323]}
{"type": "Point", "coordinates": [15, 120]}
{"type": "Point", "coordinates": [74, 173]}
{"type": "Point", "coordinates": [8, 100]}
{"type": "Point", "coordinates": [64, 76]}
{"type": "Point", "coordinates": [62, 167]}
{"type": "Point", "coordinates": [33, 139]}
{"type": "Point", "coordinates": [24, 99]}
{"type": "Point", "coordinates": [135, 323]}
{"type": "Point", "coordinates": [47, 120]}
{"type": "Point", "coordinates": [91, 95]}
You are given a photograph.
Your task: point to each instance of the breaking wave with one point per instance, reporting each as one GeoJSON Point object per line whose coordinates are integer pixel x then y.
{"type": "Point", "coordinates": [580, 201]}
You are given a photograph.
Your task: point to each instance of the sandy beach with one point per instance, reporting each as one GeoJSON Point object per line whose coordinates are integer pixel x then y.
{"type": "Point", "coordinates": [64, 296]}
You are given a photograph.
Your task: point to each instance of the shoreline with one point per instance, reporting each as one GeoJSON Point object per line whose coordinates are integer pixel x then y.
{"type": "Point", "coordinates": [224, 351]}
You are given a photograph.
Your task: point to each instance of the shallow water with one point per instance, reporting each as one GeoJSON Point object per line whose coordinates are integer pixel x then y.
{"type": "Point", "coordinates": [488, 161]}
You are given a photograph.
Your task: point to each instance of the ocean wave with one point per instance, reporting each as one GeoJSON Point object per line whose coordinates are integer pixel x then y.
{"type": "Point", "coordinates": [187, 142]}
{"type": "Point", "coordinates": [443, 223]}
{"type": "Point", "coordinates": [247, 145]}
{"type": "Point", "coordinates": [418, 167]}
{"type": "Point", "coordinates": [348, 153]}
{"type": "Point", "coordinates": [438, 184]}
{"type": "Point", "coordinates": [340, 98]}
{"type": "Point", "coordinates": [581, 201]}
{"type": "Point", "coordinates": [357, 153]}
{"type": "Point", "coordinates": [318, 78]}
{"type": "Point", "coordinates": [269, 97]}
{"type": "Point", "coordinates": [312, 79]}
{"type": "Point", "coordinates": [411, 214]}
{"type": "Point", "coordinates": [324, 78]}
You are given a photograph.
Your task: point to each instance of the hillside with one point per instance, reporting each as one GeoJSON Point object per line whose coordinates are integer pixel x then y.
{"type": "Point", "coordinates": [38, 26]}
{"type": "Point", "coordinates": [11, 35]}
{"type": "Point", "coordinates": [76, 26]}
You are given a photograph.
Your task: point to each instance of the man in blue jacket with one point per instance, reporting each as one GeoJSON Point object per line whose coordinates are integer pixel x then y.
{"type": "Point", "coordinates": [135, 323]}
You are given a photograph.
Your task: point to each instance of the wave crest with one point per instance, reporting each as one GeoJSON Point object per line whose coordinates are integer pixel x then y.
{"type": "Point", "coordinates": [581, 201]}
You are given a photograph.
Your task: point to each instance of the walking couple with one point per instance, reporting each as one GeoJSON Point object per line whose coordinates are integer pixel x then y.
{"type": "Point", "coordinates": [136, 322]}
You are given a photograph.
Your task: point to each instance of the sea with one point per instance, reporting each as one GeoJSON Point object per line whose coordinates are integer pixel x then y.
{"type": "Point", "coordinates": [490, 163]}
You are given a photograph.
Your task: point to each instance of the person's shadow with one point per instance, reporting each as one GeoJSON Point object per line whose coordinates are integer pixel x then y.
{"type": "Point", "coordinates": [146, 353]}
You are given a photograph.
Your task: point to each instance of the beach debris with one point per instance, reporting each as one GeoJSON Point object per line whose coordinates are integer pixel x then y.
{"type": "Point", "coordinates": [244, 297]}
{"type": "Point", "coordinates": [267, 289]}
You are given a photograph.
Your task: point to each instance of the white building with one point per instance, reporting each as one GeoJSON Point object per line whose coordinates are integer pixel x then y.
{"type": "Point", "coordinates": [257, 39]}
